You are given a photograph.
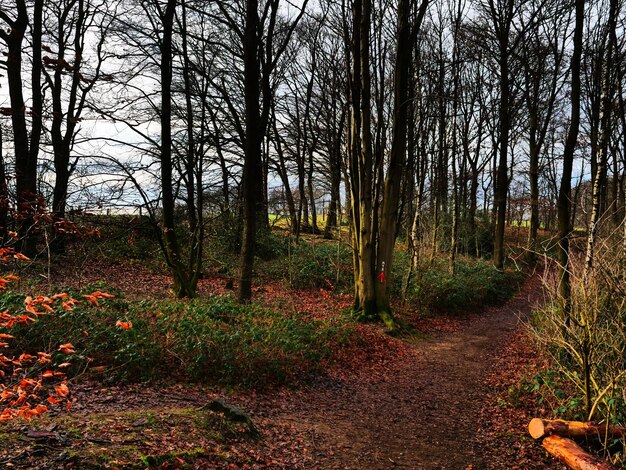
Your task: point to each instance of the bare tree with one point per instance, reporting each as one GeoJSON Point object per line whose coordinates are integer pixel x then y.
{"type": "Point", "coordinates": [26, 143]}
{"type": "Point", "coordinates": [564, 198]}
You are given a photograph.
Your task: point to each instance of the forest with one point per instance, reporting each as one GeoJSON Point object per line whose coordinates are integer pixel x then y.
{"type": "Point", "coordinates": [313, 234]}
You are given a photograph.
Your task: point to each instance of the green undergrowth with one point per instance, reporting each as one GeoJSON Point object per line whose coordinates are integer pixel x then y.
{"type": "Point", "coordinates": [211, 340]}
{"type": "Point", "coordinates": [122, 237]}
{"type": "Point", "coordinates": [549, 389]}
{"type": "Point", "coordinates": [328, 265]}
{"type": "Point", "coordinates": [474, 284]}
{"type": "Point", "coordinates": [317, 265]}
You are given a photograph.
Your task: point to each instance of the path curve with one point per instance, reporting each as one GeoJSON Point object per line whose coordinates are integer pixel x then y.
{"type": "Point", "coordinates": [420, 412]}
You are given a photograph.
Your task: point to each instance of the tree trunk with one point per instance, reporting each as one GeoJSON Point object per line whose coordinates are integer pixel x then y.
{"type": "Point", "coordinates": [615, 189]}
{"type": "Point", "coordinates": [335, 179]}
{"type": "Point", "coordinates": [366, 304]}
{"type": "Point", "coordinates": [565, 189]}
{"type": "Point", "coordinates": [397, 159]}
{"type": "Point", "coordinates": [599, 182]}
{"type": "Point", "coordinates": [62, 139]}
{"type": "Point", "coordinates": [25, 166]}
{"type": "Point", "coordinates": [4, 195]}
{"type": "Point", "coordinates": [311, 192]}
{"type": "Point", "coordinates": [281, 169]}
{"type": "Point", "coordinates": [193, 169]}
{"type": "Point", "coordinates": [502, 182]}
{"type": "Point", "coordinates": [454, 231]}
{"type": "Point", "coordinates": [534, 191]}
{"type": "Point", "coordinates": [252, 149]}
{"type": "Point", "coordinates": [182, 286]}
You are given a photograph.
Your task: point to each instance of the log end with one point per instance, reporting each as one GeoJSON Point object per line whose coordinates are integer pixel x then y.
{"type": "Point", "coordinates": [537, 428]}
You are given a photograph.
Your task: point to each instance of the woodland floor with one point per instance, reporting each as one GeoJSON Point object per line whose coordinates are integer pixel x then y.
{"type": "Point", "coordinates": [437, 401]}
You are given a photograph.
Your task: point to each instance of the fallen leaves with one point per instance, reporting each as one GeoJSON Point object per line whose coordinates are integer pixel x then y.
{"type": "Point", "coordinates": [69, 304]}
{"type": "Point", "coordinates": [53, 400]}
{"type": "Point", "coordinates": [503, 422]}
{"type": "Point", "coordinates": [44, 358]}
{"type": "Point", "coordinates": [62, 389]}
{"type": "Point", "coordinates": [21, 257]}
{"type": "Point", "coordinates": [370, 358]}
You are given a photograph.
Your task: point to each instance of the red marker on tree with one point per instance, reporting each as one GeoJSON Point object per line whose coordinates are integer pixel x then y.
{"type": "Point", "coordinates": [381, 277]}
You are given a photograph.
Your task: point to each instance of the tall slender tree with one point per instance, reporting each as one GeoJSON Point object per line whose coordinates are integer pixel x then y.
{"type": "Point", "coordinates": [565, 188]}
{"type": "Point", "coordinates": [601, 157]}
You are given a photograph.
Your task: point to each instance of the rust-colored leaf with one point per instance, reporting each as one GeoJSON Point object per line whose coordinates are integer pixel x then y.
{"type": "Point", "coordinates": [91, 299]}
{"type": "Point", "coordinates": [124, 325]}
{"type": "Point", "coordinates": [53, 400]}
{"type": "Point", "coordinates": [62, 389]}
{"type": "Point", "coordinates": [67, 348]}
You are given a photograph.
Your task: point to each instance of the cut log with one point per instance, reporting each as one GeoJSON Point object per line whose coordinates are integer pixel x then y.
{"type": "Point", "coordinates": [572, 455]}
{"type": "Point", "coordinates": [539, 428]}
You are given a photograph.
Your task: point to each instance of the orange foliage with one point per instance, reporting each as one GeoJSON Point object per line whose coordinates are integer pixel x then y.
{"type": "Point", "coordinates": [124, 325]}
{"type": "Point", "coordinates": [95, 296]}
{"type": "Point", "coordinates": [62, 390]}
{"type": "Point", "coordinates": [53, 400]}
{"type": "Point", "coordinates": [67, 348]}
{"type": "Point", "coordinates": [22, 387]}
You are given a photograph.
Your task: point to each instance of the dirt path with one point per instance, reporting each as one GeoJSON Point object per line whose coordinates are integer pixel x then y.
{"type": "Point", "coordinates": [420, 412]}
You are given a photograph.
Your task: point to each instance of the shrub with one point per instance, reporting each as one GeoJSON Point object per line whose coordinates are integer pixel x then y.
{"type": "Point", "coordinates": [216, 339]}
{"type": "Point", "coordinates": [224, 234]}
{"type": "Point", "coordinates": [213, 340]}
{"type": "Point", "coordinates": [224, 238]}
{"type": "Point", "coordinates": [125, 237]}
{"type": "Point", "coordinates": [97, 340]}
{"type": "Point", "coordinates": [318, 265]}
{"type": "Point", "coordinates": [270, 245]}
{"type": "Point", "coordinates": [32, 378]}
{"type": "Point", "coordinates": [589, 349]}
{"type": "Point", "coordinates": [475, 283]}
